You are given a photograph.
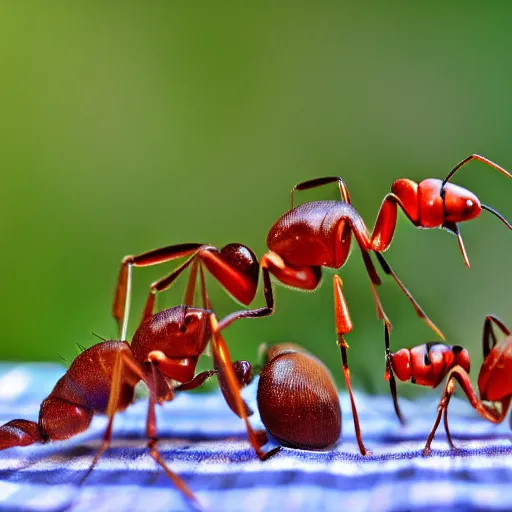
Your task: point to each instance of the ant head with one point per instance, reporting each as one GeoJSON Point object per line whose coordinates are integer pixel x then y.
{"type": "Point", "coordinates": [401, 364]}
{"type": "Point", "coordinates": [459, 203]}
{"type": "Point", "coordinates": [461, 357]}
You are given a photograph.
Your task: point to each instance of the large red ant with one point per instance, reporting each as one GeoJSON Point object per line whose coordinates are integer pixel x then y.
{"type": "Point", "coordinates": [494, 381]}
{"type": "Point", "coordinates": [298, 400]}
{"type": "Point", "coordinates": [163, 354]}
{"type": "Point", "coordinates": [318, 234]}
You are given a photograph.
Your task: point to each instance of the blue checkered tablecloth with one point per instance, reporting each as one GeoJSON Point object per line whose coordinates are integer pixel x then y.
{"type": "Point", "coordinates": [206, 445]}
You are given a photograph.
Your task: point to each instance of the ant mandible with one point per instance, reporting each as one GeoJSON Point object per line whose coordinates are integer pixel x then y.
{"type": "Point", "coordinates": [318, 234]}
{"type": "Point", "coordinates": [297, 399]}
{"type": "Point", "coordinates": [163, 354]}
{"type": "Point", "coordinates": [494, 381]}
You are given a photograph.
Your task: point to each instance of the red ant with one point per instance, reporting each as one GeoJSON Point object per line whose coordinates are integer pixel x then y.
{"type": "Point", "coordinates": [429, 363]}
{"type": "Point", "coordinates": [163, 354]}
{"type": "Point", "coordinates": [318, 234]}
{"type": "Point", "coordinates": [298, 400]}
{"type": "Point", "coordinates": [494, 381]}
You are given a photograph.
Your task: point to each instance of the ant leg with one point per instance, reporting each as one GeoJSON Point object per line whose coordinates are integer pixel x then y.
{"type": "Point", "coordinates": [151, 433]}
{"type": "Point", "coordinates": [253, 313]}
{"type": "Point", "coordinates": [223, 364]}
{"type": "Point", "coordinates": [361, 235]}
{"type": "Point", "coordinates": [124, 362]}
{"type": "Point", "coordinates": [448, 391]}
{"type": "Point", "coordinates": [419, 311]}
{"type": "Point", "coordinates": [381, 314]}
{"type": "Point", "coordinates": [385, 224]}
{"type": "Point", "coordinates": [196, 381]}
{"type": "Point", "coordinates": [446, 426]}
{"type": "Point", "coordinates": [204, 293]}
{"type": "Point", "coordinates": [489, 340]}
{"type": "Point", "coordinates": [191, 286]}
{"type": "Point", "coordinates": [344, 326]}
{"type": "Point", "coordinates": [390, 376]}
{"type": "Point", "coordinates": [375, 281]}
{"type": "Point", "coordinates": [153, 257]}
{"type": "Point", "coordinates": [318, 182]}
{"type": "Point", "coordinates": [487, 412]}
{"type": "Point", "coordinates": [161, 285]}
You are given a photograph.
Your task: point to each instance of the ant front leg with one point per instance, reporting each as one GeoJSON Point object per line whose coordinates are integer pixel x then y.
{"type": "Point", "coordinates": [223, 364]}
{"type": "Point", "coordinates": [344, 326]}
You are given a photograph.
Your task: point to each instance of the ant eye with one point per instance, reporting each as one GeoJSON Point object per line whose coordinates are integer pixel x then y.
{"type": "Point", "coordinates": [469, 203]}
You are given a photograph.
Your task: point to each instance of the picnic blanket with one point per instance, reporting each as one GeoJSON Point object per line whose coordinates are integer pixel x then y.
{"type": "Point", "coordinates": [205, 443]}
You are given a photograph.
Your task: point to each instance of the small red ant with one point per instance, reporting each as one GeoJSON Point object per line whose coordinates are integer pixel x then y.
{"type": "Point", "coordinates": [494, 381]}
{"type": "Point", "coordinates": [318, 234]}
{"type": "Point", "coordinates": [428, 364]}
{"type": "Point", "coordinates": [298, 400]}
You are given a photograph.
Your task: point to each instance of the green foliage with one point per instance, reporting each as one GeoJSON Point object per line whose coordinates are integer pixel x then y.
{"type": "Point", "coordinates": [129, 126]}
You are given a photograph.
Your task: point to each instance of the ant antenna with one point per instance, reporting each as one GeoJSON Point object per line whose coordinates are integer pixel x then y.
{"type": "Point", "coordinates": [98, 336]}
{"type": "Point", "coordinates": [498, 214]}
{"type": "Point", "coordinates": [482, 159]}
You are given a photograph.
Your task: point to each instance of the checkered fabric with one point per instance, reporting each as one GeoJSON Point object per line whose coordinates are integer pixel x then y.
{"type": "Point", "coordinates": [206, 445]}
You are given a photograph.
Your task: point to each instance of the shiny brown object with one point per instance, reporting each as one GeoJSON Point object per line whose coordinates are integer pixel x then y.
{"type": "Point", "coordinates": [494, 381]}
{"type": "Point", "coordinates": [297, 399]}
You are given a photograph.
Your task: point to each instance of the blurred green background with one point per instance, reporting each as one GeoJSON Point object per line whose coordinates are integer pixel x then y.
{"type": "Point", "coordinates": [128, 126]}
